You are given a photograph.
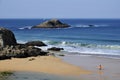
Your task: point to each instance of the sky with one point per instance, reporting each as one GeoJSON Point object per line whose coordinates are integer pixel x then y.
{"type": "Point", "coordinates": [59, 9]}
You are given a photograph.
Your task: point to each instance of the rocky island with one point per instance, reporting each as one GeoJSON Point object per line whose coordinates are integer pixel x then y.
{"type": "Point", "coordinates": [53, 23]}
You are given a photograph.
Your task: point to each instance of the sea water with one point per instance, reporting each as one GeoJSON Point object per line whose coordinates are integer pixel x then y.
{"type": "Point", "coordinates": [39, 76]}
{"type": "Point", "coordinates": [102, 38]}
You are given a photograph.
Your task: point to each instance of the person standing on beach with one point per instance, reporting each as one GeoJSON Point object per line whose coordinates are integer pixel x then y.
{"type": "Point", "coordinates": [100, 67]}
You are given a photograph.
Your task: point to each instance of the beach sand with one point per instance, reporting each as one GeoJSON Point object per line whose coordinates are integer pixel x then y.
{"type": "Point", "coordinates": [80, 66]}
{"type": "Point", "coordinates": [44, 64]}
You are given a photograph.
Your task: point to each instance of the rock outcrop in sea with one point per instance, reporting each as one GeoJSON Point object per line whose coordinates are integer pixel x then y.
{"type": "Point", "coordinates": [53, 23]}
{"type": "Point", "coordinates": [35, 43]}
{"type": "Point", "coordinates": [55, 49]}
{"type": "Point", "coordinates": [10, 48]}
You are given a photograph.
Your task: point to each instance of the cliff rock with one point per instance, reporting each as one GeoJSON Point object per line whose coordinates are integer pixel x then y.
{"type": "Point", "coordinates": [6, 37]}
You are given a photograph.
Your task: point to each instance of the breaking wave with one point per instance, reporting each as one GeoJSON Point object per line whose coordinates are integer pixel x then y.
{"type": "Point", "coordinates": [72, 26]}
{"type": "Point", "coordinates": [90, 25]}
{"type": "Point", "coordinates": [73, 44]}
{"type": "Point", "coordinates": [84, 48]}
{"type": "Point", "coordinates": [26, 27]}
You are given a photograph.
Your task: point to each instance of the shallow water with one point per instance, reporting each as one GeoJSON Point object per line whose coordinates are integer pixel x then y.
{"type": "Point", "coordinates": [39, 76]}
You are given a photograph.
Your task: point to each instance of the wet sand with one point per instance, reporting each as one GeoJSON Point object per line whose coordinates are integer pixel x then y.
{"type": "Point", "coordinates": [39, 76]}
{"type": "Point", "coordinates": [110, 70]}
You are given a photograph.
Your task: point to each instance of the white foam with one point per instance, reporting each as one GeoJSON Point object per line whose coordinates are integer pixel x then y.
{"type": "Point", "coordinates": [21, 41]}
{"type": "Point", "coordinates": [92, 50]}
{"type": "Point", "coordinates": [26, 27]}
{"type": "Point", "coordinates": [82, 48]}
{"type": "Point", "coordinates": [44, 47]}
{"type": "Point", "coordinates": [90, 25]}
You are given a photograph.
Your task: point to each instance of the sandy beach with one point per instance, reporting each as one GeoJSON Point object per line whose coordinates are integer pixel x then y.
{"type": "Point", "coordinates": [45, 64]}
{"type": "Point", "coordinates": [81, 66]}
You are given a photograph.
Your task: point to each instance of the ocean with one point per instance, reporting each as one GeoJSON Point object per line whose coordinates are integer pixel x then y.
{"type": "Point", "coordinates": [102, 38]}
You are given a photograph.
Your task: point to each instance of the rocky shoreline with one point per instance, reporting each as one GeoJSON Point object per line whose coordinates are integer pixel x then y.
{"type": "Point", "coordinates": [9, 48]}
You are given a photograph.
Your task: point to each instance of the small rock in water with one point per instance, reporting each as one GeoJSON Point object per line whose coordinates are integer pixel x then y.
{"type": "Point", "coordinates": [55, 49]}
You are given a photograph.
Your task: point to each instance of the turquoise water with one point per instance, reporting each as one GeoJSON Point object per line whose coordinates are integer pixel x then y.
{"type": "Point", "coordinates": [103, 38]}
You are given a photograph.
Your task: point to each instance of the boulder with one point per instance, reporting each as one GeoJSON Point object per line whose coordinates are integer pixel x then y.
{"type": "Point", "coordinates": [6, 37]}
{"type": "Point", "coordinates": [90, 25]}
{"type": "Point", "coordinates": [35, 43]}
{"type": "Point", "coordinates": [55, 49]}
{"type": "Point", "coordinates": [53, 23]}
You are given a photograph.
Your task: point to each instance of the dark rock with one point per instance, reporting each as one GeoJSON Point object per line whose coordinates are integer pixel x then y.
{"type": "Point", "coordinates": [29, 51]}
{"type": "Point", "coordinates": [91, 25]}
{"type": "Point", "coordinates": [43, 53]}
{"type": "Point", "coordinates": [55, 49]}
{"type": "Point", "coordinates": [53, 23]}
{"type": "Point", "coordinates": [61, 55]}
{"type": "Point", "coordinates": [35, 43]}
{"type": "Point", "coordinates": [6, 37]}
{"type": "Point", "coordinates": [31, 59]}
{"type": "Point", "coordinates": [20, 52]}
{"type": "Point", "coordinates": [3, 57]}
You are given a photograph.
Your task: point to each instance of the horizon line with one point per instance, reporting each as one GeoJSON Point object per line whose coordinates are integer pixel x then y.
{"type": "Point", "coordinates": [59, 18]}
